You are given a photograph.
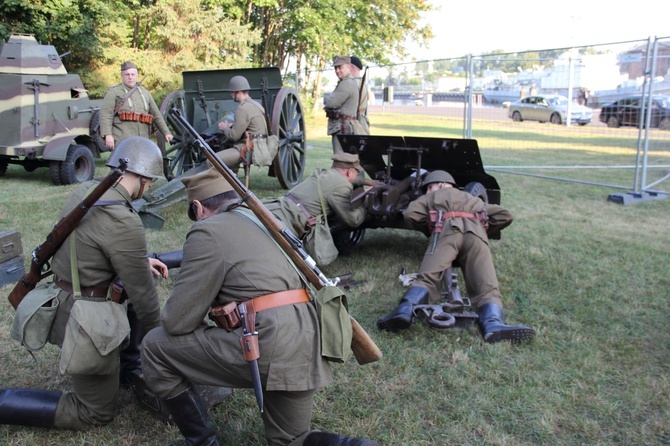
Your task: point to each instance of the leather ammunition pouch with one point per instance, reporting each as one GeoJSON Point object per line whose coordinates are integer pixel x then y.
{"type": "Point", "coordinates": [144, 118]}
{"type": "Point", "coordinates": [228, 317]}
{"type": "Point", "coordinates": [479, 215]}
{"type": "Point", "coordinates": [332, 113]}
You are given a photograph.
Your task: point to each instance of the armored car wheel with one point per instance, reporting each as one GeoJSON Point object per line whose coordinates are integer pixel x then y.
{"type": "Point", "coordinates": [288, 123]}
{"type": "Point", "coordinates": [348, 240]}
{"type": "Point", "coordinates": [180, 154]}
{"type": "Point", "coordinates": [79, 165]}
{"type": "Point", "coordinates": [3, 167]}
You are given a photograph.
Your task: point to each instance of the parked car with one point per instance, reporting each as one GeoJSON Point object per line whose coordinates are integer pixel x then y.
{"type": "Point", "coordinates": [548, 107]}
{"type": "Point", "coordinates": [627, 111]}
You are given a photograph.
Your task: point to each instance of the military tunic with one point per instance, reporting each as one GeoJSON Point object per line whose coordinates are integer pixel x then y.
{"type": "Point", "coordinates": [462, 240]}
{"type": "Point", "coordinates": [140, 101]}
{"type": "Point", "coordinates": [249, 117]}
{"type": "Point", "coordinates": [336, 196]}
{"type": "Point", "coordinates": [345, 99]}
{"type": "Point", "coordinates": [110, 241]}
{"type": "Point", "coordinates": [228, 258]}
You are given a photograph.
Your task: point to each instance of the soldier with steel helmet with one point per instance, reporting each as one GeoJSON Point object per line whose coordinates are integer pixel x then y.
{"type": "Point", "coordinates": [249, 118]}
{"type": "Point", "coordinates": [108, 242]}
{"type": "Point", "coordinates": [128, 109]}
{"type": "Point", "coordinates": [459, 225]}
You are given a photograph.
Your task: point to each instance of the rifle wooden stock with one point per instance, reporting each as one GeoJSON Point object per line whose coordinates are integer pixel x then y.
{"type": "Point", "coordinates": [364, 348]}
{"type": "Point", "coordinates": [44, 252]}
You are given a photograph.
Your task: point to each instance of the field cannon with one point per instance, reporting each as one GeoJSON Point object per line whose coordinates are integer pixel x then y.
{"type": "Point", "coordinates": [205, 100]}
{"type": "Point", "coordinates": [400, 163]}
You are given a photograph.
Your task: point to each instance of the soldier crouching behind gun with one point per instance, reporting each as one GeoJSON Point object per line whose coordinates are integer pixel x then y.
{"type": "Point", "coordinates": [109, 241]}
{"type": "Point", "coordinates": [229, 261]}
{"type": "Point", "coordinates": [466, 221]}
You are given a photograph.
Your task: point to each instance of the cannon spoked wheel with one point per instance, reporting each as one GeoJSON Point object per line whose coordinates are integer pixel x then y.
{"type": "Point", "coordinates": [288, 123]}
{"type": "Point", "coordinates": [181, 154]}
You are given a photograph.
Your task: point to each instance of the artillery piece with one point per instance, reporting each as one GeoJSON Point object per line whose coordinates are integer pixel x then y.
{"type": "Point", "coordinates": [47, 117]}
{"type": "Point", "coordinates": [400, 162]}
{"type": "Point", "coordinates": [204, 101]}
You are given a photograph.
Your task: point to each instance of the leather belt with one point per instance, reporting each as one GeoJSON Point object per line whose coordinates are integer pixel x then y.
{"type": "Point", "coordinates": [227, 316]}
{"type": "Point", "coordinates": [300, 206]}
{"type": "Point", "coordinates": [458, 214]}
{"type": "Point", "coordinates": [86, 291]}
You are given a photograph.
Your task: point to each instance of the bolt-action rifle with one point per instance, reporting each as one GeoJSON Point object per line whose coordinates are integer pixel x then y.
{"type": "Point", "coordinates": [364, 348]}
{"type": "Point", "coordinates": [39, 265]}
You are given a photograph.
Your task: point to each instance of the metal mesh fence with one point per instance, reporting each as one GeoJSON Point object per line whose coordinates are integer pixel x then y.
{"type": "Point", "coordinates": [477, 97]}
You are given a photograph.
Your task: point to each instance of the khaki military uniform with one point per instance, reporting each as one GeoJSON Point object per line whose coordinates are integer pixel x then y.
{"type": "Point", "coordinates": [228, 258]}
{"type": "Point", "coordinates": [462, 240]}
{"type": "Point", "coordinates": [110, 241]}
{"type": "Point", "coordinates": [336, 195]}
{"type": "Point", "coordinates": [140, 101]}
{"type": "Point", "coordinates": [345, 99]}
{"type": "Point", "coordinates": [249, 117]}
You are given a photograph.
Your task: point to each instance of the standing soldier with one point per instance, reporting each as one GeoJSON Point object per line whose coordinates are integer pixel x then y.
{"type": "Point", "coordinates": [249, 118]}
{"type": "Point", "coordinates": [342, 104]}
{"type": "Point", "coordinates": [129, 110]}
{"type": "Point", "coordinates": [464, 222]}
{"type": "Point", "coordinates": [109, 242]}
{"type": "Point", "coordinates": [230, 263]}
{"type": "Point", "coordinates": [364, 93]}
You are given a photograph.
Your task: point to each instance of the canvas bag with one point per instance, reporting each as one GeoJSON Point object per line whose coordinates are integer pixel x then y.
{"type": "Point", "coordinates": [319, 241]}
{"type": "Point", "coordinates": [336, 331]}
{"type": "Point", "coordinates": [94, 331]}
{"type": "Point", "coordinates": [35, 316]}
{"type": "Point", "coordinates": [265, 149]}
{"type": "Point", "coordinates": [93, 335]}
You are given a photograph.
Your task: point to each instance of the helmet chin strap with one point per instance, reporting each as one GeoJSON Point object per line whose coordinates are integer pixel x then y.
{"type": "Point", "coordinates": [143, 182]}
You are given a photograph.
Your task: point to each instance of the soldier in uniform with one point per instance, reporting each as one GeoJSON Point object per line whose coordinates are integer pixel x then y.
{"type": "Point", "coordinates": [110, 242]}
{"type": "Point", "coordinates": [249, 118]}
{"type": "Point", "coordinates": [228, 258]}
{"type": "Point", "coordinates": [129, 110]}
{"type": "Point", "coordinates": [342, 104]}
{"type": "Point", "coordinates": [301, 204]}
{"type": "Point", "coordinates": [356, 67]}
{"type": "Point", "coordinates": [463, 238]}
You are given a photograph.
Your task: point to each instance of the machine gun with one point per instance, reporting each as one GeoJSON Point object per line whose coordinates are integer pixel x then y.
{"type": "Point", "coordinates": [362, 345]}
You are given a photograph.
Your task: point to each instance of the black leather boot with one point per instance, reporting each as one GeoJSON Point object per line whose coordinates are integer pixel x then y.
{"type": "Point", "coordinates": [329, 439]}
{"type": "Point", "coordinates": [189, 415]}
{"type": "Point", "coordinates": [130, 356]}
{"type": "Point", "coordinates": [28, 407]}
{"type": "Point", "coordinates": [401, 317]}
{"type": "Point", "coordinates": [493, 328]}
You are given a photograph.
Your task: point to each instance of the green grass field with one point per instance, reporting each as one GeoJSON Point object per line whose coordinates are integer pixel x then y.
{"type": "Point", "coordinates": [590, 276]}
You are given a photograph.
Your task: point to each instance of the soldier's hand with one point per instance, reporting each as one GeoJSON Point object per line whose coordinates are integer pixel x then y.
{"type": "Point", "coordinates": [109, 142]}
{"type": "Point", "coordinates": [169, 137]}
{"type": "Point", "coordinates": [158, 268]}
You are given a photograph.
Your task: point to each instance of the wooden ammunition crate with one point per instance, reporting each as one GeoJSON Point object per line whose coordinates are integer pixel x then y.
{"type": "Point", "coordinates": [10, 245]}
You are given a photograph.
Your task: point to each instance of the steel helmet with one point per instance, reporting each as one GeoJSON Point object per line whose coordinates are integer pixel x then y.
{"type": "Point", "coordinates": [438, 176]}
{"type": "Point", "coordinates": [144, 157]}
{"type": "Point", "coordinates": [238, 83]}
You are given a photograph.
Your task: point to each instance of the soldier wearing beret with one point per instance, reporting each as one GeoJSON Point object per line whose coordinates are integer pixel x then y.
{"type": "Point", "coordinates": [301, 204]}
{"type": "Point", "coordinates": [342, 104]}
{"type": "Point", "coordinates": [129, 109]}
{"type": "Point", "coordinates": [459, 224]}
{"type": "Point", "coordinates": [229, 259]}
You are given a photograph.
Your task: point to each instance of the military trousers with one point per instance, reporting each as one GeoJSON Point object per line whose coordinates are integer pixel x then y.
{"type": "Point", "coordinates": [171, 364]}
{"type": "Point", "coordinates": [473, 255]}
{"type": "Point", "coordinates": [93, 402]}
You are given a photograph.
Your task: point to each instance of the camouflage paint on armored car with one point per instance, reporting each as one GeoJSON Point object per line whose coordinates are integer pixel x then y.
{"type": "Point", "coordinates": [47, 117]}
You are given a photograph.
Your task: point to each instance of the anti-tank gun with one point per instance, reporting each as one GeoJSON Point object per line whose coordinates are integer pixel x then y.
{"type": "Point", "coordinates": [399, 163]}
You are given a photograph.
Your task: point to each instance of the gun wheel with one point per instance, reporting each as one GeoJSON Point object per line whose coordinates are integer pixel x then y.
{"type": "Point", "coordinates": [180, 154]}
{"type": "Point", "coordinates": [288, 123]}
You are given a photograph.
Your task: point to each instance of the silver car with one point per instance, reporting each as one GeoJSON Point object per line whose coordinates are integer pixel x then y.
{"type": "Point", "coordinates": [550, 107]}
